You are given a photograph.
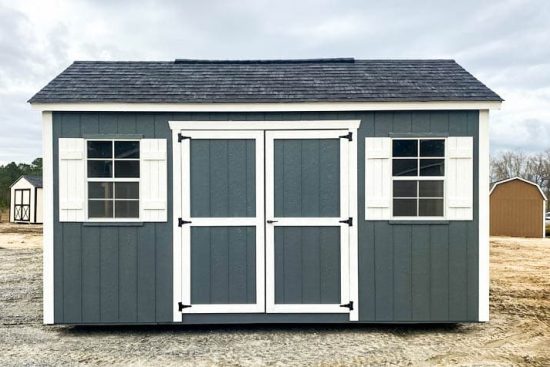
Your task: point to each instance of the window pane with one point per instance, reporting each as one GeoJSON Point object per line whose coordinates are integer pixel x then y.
{"type": "Point", "coordinates": [126, 149]}
{"type": "Point", "coordinates": [100, 169]}
{"type": "Point", "coordinates": [100, 190]}
{"type": "Point", "coordinates": [432, 189]}
{"type": "Point", "coordinates": [100, 208]}
{"type": "Point", "coordinates": [405, 189]}
{"type": "Point", "coordinates": [126, 209]}
{"type": "Point", "coordinates": [100, 149]}
{"type": "Point", "coordinates": [404, 207]}
{"type": "Point", "coordinates": [431, 207]}
{"type": "Point", "coordinates": [405, 148]}
{"type": "Point", "coordinates": [432, 148]}
{"type": "Point", "coordinates": [126, 168]}
{"type": "Point", "coordinates": [127, 190]}
{"type": "Point", "coordinates": [432, 167]}
{"type": "Point", "coordinates": [405, 167]}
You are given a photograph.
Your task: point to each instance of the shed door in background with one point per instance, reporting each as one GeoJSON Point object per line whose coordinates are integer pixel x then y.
{"type": "Point", "coordinates": [22, 205]}
{"type": "Point", "coordinates": [307, 245]}
{"type": "Point", "coordinates": [223, 232]}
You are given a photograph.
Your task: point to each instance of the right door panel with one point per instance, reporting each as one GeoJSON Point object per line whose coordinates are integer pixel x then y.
{"type": "Point", "coordinates": [307, 262]}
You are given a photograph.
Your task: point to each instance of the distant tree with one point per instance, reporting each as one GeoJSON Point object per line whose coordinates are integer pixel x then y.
{"type": "Point", "coordinates": [532, 167]}
{"type": "Point", "coordinates": [11, 172]}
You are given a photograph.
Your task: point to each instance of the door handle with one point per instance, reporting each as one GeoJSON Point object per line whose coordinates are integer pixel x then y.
{"type": "Point", "coordinates": [271, 221]}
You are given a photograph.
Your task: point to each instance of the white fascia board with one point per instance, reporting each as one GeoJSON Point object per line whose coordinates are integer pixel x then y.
{"type": "Point", "coordinates": [483, 189]}
{"type": "Point", "coordinates": [264, 125]}
{"type": "Point", "coordinates": [268, 107]}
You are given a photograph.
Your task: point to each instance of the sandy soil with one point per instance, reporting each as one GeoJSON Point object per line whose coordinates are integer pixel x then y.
{"type": "Point", "coordinates": [518, 334]}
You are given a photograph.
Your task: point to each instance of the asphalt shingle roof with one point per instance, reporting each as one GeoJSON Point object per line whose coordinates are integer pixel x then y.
{"type": "Point", "coordinates": [263, 81]}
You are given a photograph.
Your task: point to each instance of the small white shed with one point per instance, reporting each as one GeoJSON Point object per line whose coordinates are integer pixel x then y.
{"type": "Point", "coordinates": [26, 200]}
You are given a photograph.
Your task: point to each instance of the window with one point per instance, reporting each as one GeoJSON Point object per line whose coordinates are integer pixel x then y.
{"type": "Point", "coordinates": [418, 175]}
{"type": "Point", "coordinates": [113, 178]}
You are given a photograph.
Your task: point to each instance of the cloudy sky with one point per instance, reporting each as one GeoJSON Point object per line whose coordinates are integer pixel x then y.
{"type": "Point", "coordinates": [504, 43]}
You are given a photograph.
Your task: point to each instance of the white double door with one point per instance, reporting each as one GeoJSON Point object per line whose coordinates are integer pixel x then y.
{"type": "Point", "coordinates": [265, 221]}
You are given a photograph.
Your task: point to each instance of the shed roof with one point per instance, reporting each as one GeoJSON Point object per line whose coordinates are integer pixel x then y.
{"type": "Point", "coordinates": [264, 81]}
{"type": "Point", "coordinates": [495, 184]}
{"type": "Point", "coordinates": [36, 181]}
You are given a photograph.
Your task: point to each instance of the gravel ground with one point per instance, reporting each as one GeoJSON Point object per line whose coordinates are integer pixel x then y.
{"type": "Point", "coordinates": [518, 334]}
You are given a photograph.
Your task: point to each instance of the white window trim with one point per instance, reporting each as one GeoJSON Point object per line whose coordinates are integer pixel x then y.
{"type": "Point", "coordinates": [113, 179]}
{"type": "Point", "coordinates": [177, 167]}
{"type": "Point", "coordinates": [421, 178]}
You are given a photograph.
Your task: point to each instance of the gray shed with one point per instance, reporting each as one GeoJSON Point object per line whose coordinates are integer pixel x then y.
{"type": "Point", "coordinates": [267, 191]}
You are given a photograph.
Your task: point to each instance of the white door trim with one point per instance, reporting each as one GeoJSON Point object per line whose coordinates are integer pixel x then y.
{"type": "Point", "coordinates": [185, 240]}
{"type": "Point", "coordinates": [271, 306]}
{"type": "Point", "coordinates": [265, 125]}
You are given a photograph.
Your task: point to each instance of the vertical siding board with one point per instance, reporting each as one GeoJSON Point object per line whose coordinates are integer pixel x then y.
{"type": "Point", "coordinates": [251, 264]}
{"type": "Point", "coordinates": [367, 275]}
{"type": "Point", "coordinates": [126, 123]}
{"type": "Point", "coordinates": [329, 175]}
{"type": "Point", "coordinates": [278, 178]}
{"type": "Point", "coordinates": [219, 266]}
{"type": "Point", "coordinates": [383, 257]}
{"type": "Point", "coordinates": [420, 272]}
{"type": "Point", "coordinates": [458, 123]}
{"type": "Point", "coordinates": [72, 281]}
{"type": "Point", "coordinates": [200, 178]}
{"type": "Point", "coordinates": [146, 273]}
{"type": "Point", "coordinates": [236, 163]}
{"type": "Point", "coordinates": [439, 276]}
{"type": "Point", "coordinates": [402, 272]}
{"type": "Point", "coordinates": [109, 274]}
{"type": "Point", "coordinates": [164, 271]}
{"type": "Point", "coordinates": [382, 123]}
{"type": "Point", "coordinates": [420, 122]}
{"type": "Point", "coordinates": [279, 257]}
{"type": "Point", "coordinates": [330, 264]}
{"type": "Point", "coordinates": [219, 174]}
{"type": "Point", "coordinates": [90, 275]}
{"type": "Point", "coordinates": [127, 238]}
{"type": "Point", "coordinates": [402, 122]}
{"type": "Point", "coordinates": [250, 178]}
{"type": "Point", "coordinates": [292, 264]}
{"type": "Point", "coordinates": [458, 286]}
{"type": "Point", "coordinates": [237, 265]}
{"type": "Point", "coordinates": [108, 123]}
{"type": "Point", "coordinates": [200, 265]}
{"type": "Point", "coordinates": [292, 178]}
{"type": "Point", "coordinates": [311, 264]}
{"type": "Point", "coordinates": [311, 195]}
{"type": "Point", "coordinates": [439, 122]}
{"type": "Point", "coordinates": [89, 123]}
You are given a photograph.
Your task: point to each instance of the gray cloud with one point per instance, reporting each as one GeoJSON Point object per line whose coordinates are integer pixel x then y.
{"type": "Point", "coordinates": [504, 44]}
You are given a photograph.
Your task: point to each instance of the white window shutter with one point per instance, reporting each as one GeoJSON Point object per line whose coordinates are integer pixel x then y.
{"type": "Point", "coordinates": [378, 154]}
{"type": "Point", "coordinates": [460, 178]}
{"type": "Point", "coordinates": [72, 180]}
{"type": "Point", "coordinates": [153, 187]}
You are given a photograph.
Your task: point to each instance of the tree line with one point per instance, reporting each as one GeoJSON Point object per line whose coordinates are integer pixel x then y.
{"type": "Point", "coordinates": [534, 167]}
{"type": "Point", "coordinates": [11, 172]}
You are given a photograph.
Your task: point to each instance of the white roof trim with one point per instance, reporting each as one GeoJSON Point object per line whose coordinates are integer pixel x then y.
{"type": "Point", "coordinates": [266, 107]}
{"type": "Point", "coordinates": [521, 179]}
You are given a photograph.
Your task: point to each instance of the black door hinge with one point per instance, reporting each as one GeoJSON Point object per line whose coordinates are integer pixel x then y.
{"type": "Point", "coordinates": [181, 137]}
{"type": "Point", "coordinates": [348, 221]}
{"type": "Point", "coordinates": [271, 221]}
{"type": "Point", "coordinates": [181, 306]}
{"type": "Point", "coordinates": [348, 136]}
{"type": "Point", "coordinates": [181, 222]}
{"type": "Point", "coordinates": [348, 305]}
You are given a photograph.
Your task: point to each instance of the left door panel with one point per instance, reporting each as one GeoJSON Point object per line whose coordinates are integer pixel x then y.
{"type": "Point", "coordinates": [222, 221]}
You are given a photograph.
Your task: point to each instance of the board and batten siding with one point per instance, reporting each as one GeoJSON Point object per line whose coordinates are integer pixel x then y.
{"type": "Point", "coordinates": [122, 273]}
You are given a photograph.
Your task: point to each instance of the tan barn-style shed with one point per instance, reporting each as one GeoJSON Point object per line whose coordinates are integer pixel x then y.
{"type": "Point", "coordinates": [517, 208]}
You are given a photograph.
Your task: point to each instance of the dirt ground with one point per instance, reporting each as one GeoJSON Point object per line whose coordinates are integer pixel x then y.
{"type": "Point", "coordinates": [518, 334]}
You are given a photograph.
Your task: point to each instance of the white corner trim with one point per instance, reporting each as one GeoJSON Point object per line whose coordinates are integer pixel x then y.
{"type": "Point", "coordinates": [176, 233]}
{"type": "Point", "coordinates": [483, 312]}
{"type": "Point", "coordinates": [521, 179]}
{"type": "Point", "coordinates": [265, 125]}
{"type": "Point", "coordinates": [353, 230]}
{"type": "Point", "coordinates": [267, 107]}
{"type": "Point", "coordinates": [47, 205]}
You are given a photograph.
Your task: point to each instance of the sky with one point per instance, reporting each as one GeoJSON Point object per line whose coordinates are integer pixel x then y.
{"type": "Point", "coordinates": [504, 43]}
